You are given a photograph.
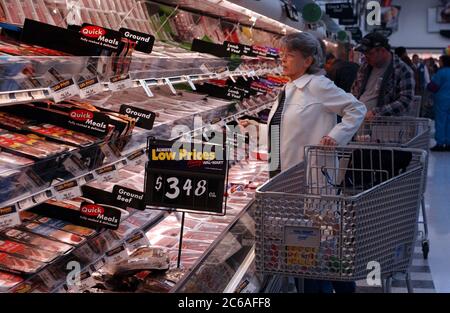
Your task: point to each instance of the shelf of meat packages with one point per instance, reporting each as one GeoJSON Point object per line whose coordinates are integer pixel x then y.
{"type": "Point", "coordinates": [140, 256]}
{"type": "Point", "coordinates": [153, 268]}
{"type": "Point", "coordinates": [26, 153]}
{"type": "Point", "coordinates": [37, 255]}
{"type": "Point", "coordinates": [15, 91]}
{"type": "Point", "coordinates": [30, 176]}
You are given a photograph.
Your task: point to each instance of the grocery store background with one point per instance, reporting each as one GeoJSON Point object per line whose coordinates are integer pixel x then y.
{"type": "Point", "coordinates": [416, 28]}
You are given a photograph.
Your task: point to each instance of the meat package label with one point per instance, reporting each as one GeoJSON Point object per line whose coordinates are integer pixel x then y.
{"type": "Point", "coordinates": [144, 42]}
{"type": "Point", "coordinates": [94, 215]}
{"type": "Point", "coordinates": [9, 216]}
{"type": "Point", "coordinates": [64, 90]}
{"type": "Point", "coordinates": [100, 36]}
{"type": "Point", "coordinates": [93, 121]}
{"type": "Point", "coordinates": [144, 118]}
{"type": "Point", "coordinates": [128, 198]}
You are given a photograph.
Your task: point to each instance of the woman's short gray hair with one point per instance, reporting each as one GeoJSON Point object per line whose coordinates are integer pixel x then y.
{"type": "Point", "coordinates": [309, 46]}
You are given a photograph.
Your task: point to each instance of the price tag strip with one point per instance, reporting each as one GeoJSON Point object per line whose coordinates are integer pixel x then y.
{"type": "Point", "coordinates": [189, 181]}
{"type": "Point", "coordinates": [67, 190]}
{"type": "Point", "coordinates": [90, 87]}
{"type": "Point", "coordinates": [107, 173]}
{"type": "Point", "coordinates": [137, 240]}
{"type": "Point", "coordinates": [9, 216]}
{"type": "Point", "coordinates": [116, 255]}
{"type": "Point", "coordinates": [120, 82]}
{"type": "Point", "coordinates": [64, 90]}
{"type": "Point", "coordinates": [137, 158]}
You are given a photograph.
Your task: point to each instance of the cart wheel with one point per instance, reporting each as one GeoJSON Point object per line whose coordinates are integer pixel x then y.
{"type": "Point", "coordinates": [425, 249]}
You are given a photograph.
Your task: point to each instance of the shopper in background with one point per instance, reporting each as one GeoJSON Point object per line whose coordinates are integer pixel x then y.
{"type": "Point", "coordinates": [440, 87]}
{"type": "Point", "coordinates": [402, 53]}
{"type": "Point", "coordinates": [305, 114]}
{"type": "Point", "coordinates": [432, 66]}
{"type": "Point", "coordinates": [422, 75]}
{"type": "Point", "coordinates": [385, 84]}
{"type": "Point", "coordinates": [341, 71]}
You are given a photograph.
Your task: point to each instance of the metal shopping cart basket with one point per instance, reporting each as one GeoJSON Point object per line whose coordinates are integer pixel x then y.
{"type": "Point", "coordinates": [405, 132]}
{"type": "Point", "coordinates": [340, 213]}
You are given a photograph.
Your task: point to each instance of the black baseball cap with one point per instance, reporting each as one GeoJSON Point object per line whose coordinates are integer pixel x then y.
{"type": "Point", "coordinates": [373, 40]}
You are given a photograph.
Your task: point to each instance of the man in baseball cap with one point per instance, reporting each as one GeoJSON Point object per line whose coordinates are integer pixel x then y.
{"type": "Point", "coordinates": [384, 83]}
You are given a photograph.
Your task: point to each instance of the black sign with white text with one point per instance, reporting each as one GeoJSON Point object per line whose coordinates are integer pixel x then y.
{"type": "Point", "coordinates": [144, 42]}
{"type": "Point", "coordinates": [339, 10]}
{"type": "Point", "coordinates": [188, 177]}
{"type": "Point", "coordinates": [144, 118]}
{"type": "Point", "coordinates": [95, 216]}
{"type": "Point", "coordinates": [128, 198]}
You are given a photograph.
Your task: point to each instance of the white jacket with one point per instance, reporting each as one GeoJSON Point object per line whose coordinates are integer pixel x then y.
{"type": "Point", "coordinates": [309, 113]}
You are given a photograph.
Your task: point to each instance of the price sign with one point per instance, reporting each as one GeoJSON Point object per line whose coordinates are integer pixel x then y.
{"type": "Point", "coordinates": [186, 177]}
{"type": "Point", "coordinates": [64, 90]}
{"type": "Point", "coordinates": [9, 216]}
{"type": "Point", "coordinates": [90, 87]}
{"type": "Point", "coordinates": [67, 190]}
{"type": "Point", "coordinates": [120, 82]}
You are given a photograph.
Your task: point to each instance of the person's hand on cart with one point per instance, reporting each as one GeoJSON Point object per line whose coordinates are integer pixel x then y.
{"type": "Point", "coordinates": [328, 141]}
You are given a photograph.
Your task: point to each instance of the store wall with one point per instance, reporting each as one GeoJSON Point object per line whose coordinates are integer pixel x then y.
{"type": "Point", "coordinates": [413, 26]}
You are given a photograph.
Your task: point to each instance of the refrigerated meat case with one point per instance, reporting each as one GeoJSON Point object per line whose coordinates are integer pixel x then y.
{"type": "Point", "coordinates": [160, 81]}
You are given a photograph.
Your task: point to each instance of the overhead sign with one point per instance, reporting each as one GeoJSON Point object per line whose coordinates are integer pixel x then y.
{"type": "Point", "coordinates": [339, 10]}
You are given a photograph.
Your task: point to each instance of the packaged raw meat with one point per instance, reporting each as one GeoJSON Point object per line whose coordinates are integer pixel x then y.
{"type": "Point", "coordinates": [27, 252]}
{"type": "Point", "coordinates": [12, 121]}
{"type": "Point", "coordinates": [212, 228]}
{"type": "Point", "coordinates": [59, 133]}
{"type": "Point", "coordinates": [54, 233]}
{"type": "Point", "coordinates": [202, 236]}
{"type": "Point", "coordinates": [36, 142]}
{"type": "Point", "coordinates": [144, 258]}
{"type": "Point", "coordinates": [27, 216]}
{"type": "Point", "coordinates": [18, 265]}
{"type": "Point", "coordinates": [194, 245]}
{"type": "Point", "coordinates": [9, 281]}
{"type": "Point", "coordinates": [36, 240]}
{"type": "Point", "coordinates": [22, 148]}
{"type": "Point", "coordinates": [163, 241]}
{"type": "Point", "coordinates": [125, 229]}
{"type": "Point", "coordinates": [12, 159]}
{"type": "Point", "coordinates": [66, 226]}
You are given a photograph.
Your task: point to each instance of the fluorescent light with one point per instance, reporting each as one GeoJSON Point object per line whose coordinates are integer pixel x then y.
{"type": "Point", "coordinates": [254, 15]}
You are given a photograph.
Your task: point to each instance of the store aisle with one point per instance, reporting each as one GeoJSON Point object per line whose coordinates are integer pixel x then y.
{"type": "Point", "coordinates": [438, 210]}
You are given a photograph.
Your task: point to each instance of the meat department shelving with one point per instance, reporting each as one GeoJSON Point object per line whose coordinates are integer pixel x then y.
{"type": "Point", "coordinates": [213, 246]}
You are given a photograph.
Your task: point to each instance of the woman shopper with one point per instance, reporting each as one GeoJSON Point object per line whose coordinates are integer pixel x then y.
{"type": "Point", "coordinates": [305, 114]}
{"type": "Point", "coordinates": [440, 87]}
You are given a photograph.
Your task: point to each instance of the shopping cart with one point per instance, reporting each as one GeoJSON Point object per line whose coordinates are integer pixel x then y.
{"type": "Point", "coordinates": [405, 132]}
{"type": "Point", "coordinates": [341, 214]}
